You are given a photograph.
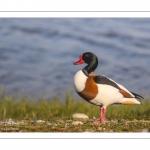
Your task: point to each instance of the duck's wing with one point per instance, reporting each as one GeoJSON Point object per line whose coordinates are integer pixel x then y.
{"type": "Point", "coordinates": [107, 81]}
{"type": "Point", "coordinates": [137, 96]}
{"type": "Point", "coordinates": [104, 80]}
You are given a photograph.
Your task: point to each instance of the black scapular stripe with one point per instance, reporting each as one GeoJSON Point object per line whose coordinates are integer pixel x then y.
{"type": "Point", "coordinates": [103, 80]}
{"type": "Point", "coordinates": [137, 96]}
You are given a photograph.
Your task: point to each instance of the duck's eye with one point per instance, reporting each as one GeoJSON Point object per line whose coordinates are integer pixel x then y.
{"type": "Point", "coordinates": [87, 55]}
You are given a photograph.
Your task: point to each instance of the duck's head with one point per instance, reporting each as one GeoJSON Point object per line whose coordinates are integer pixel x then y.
{"type": "Point", "coordinates": [87, 58]}
{"type": "Point", "coordinates": [90, 59]}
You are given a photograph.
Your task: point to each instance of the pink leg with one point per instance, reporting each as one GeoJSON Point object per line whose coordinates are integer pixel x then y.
{"type": "Point", "coordinates": [102, 115]}
{"type": "Point", "coordinates": [103, 112]}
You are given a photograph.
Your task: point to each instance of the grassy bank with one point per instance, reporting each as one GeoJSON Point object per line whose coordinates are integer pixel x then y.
{"type": "Point", "coordinates": [25, 108]}
{"type": "Point", "coordinates": [55, 115]}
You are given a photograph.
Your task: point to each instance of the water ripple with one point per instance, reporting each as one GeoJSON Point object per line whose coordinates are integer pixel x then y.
{"type": "Point", "coordinates": [37, 55]}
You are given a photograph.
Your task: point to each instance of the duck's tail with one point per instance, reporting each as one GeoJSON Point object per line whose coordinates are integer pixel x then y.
{"type": "Point", "coordinates": [130, 101]}
{"type": "Point", "coordinates": [136, 100]}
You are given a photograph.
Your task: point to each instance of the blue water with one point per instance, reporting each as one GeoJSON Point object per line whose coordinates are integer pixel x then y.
{"type": "Point", "coordinates": [37, 55]}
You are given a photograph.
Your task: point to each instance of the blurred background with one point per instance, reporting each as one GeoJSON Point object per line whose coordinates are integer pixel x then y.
{"type": "Point", "coordinates": [37, 55]}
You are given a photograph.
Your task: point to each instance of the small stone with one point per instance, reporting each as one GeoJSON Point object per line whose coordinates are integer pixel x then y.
{"type": "Point", "coordinates": [144, 130]}
{"type": "Point", "coordinates": [10, 122]}
{"type": "Point", "coordinates": [32, 122]}
{"type": "Point", "coordinates": [80, 116]}
{"type": "Point", "coordinates": [54, 124]}
{"type": "Point", "coordinates": [40, 121]}
{"type": "Point", "coordinates": [100, 128]}
{"type": "Point", "coordinates": [104, 129]}
{"type": "Point", "coordinates": [119, 121]}
{"type": "Point", "coordinates": [77, 123]}
{"type": "Point", "coordinates": [60, 121]}
{"type": "Point", "coordinates": [49, 124]}
{"type": "Point", "coordinates": [66, 125]}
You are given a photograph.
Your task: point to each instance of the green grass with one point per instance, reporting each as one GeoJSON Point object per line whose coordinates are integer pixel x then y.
{"type": "Point", "coordinates": [25, 108]}
{"type": "Point", "coordinates": [56, 115]}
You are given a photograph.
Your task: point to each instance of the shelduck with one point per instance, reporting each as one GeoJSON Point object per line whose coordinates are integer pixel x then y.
{"type": "Point", "coordinates": [100, 90]}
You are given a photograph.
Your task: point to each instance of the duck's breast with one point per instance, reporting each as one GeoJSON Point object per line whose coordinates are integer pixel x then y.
{"type": "Point", "coordinates": [86, 86]}
{"type": "Point", "coordinates": [79, 81]}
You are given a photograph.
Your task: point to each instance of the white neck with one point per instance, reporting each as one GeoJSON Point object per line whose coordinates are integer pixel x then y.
{"type": "Point", "coordinates": [79, 81]}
